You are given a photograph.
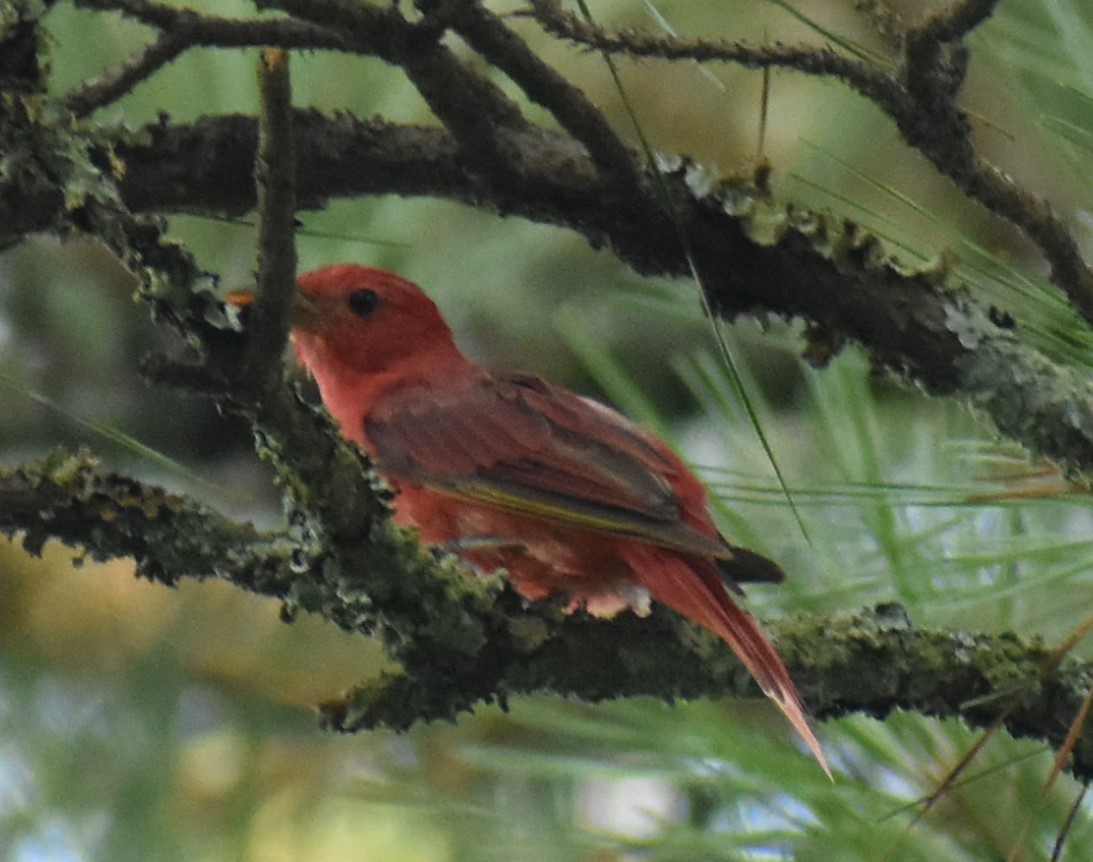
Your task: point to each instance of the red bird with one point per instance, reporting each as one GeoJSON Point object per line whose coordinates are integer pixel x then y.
{"type": "Point", "coordinates": [510, 472]}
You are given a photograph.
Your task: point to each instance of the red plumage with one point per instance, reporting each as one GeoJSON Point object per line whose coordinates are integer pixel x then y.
{"type": "Point", "coordinates": [566, 494]}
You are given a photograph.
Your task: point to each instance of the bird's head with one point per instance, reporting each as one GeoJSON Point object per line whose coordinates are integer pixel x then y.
{"type": "Point", "coordinates": [368, 319]}
{"type": "Point", "coordinates": [359, 320]}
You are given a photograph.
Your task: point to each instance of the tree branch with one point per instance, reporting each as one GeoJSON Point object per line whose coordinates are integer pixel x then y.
{"type": "Point", "coordinates": [465, 641]}
{"type": "Point", "coordinates": [179, 31]}
{"type": "Point", "coordinates": [275, 181]}
{"type": "Point", "coordinates": [64, 497]}
{"type": "Point", "coordinates": [504, 50]}
{"type": "Point", "coordinates": [93, 95]}
{"type": "Point", "coordinates": [920, 99]}
{"type": "Point", "coordinates": [829, 273]}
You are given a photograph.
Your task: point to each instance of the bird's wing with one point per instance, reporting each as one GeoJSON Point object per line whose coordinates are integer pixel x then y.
{"type": "Point", "coordinates": [517, 442]}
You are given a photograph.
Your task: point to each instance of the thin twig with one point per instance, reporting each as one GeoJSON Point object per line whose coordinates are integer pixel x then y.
{"type": "Point", "coordinates": [871, 82]}
{"type": "Point", "coordinates": [88, 98]}
{"type": "Point", "coordinates": [180, 30]}
{"type": "Point", "coordinates": [275, 179]}
{"type": "Point", "coordinates": [1000, 194]}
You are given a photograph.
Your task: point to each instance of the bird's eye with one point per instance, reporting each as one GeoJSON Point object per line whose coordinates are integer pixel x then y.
{"type": "Point", "coordinates": [363, 302]}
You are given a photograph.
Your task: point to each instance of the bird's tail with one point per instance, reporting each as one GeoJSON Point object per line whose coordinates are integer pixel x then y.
{"type": "Point", "coordinates": [694, 589]}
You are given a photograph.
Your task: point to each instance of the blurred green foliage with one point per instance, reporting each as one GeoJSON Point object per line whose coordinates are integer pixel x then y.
{"type": "Point", "coordinates": [145, 724]}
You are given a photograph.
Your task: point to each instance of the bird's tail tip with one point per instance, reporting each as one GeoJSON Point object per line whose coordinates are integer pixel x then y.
{"type": "Point", "coordinates": [790, 704]}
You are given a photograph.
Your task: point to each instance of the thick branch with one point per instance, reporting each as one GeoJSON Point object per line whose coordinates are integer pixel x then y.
{"type": "Point", "coordinates": [831, 275]}
{"type": "Point", "coordinates": [871, 662]}
{"type": "Point", "coordinates": [464, 642]}
{"type": "Point", "coordinates": [66, 498]}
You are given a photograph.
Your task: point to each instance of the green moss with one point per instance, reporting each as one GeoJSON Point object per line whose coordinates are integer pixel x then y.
{"type": "Point", "coordinates": [1046, 406]}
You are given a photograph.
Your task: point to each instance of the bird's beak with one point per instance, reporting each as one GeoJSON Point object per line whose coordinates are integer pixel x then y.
{"type": "Point", "coordinates": [304, 310]}
{"type": "Point", "coordinates": [240, 298]}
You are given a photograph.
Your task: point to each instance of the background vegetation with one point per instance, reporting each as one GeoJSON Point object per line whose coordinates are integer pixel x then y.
{"type": "Point", "coordinates": [143, 723]}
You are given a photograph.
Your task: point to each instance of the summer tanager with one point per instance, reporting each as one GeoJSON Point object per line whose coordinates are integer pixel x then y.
{"type": "Point", "coordinates": [567, 495]}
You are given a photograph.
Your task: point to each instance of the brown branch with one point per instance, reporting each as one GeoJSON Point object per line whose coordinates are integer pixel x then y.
{"type": "Point", "coordinates": [275, 180]}
{"type": "Point", "coordinates": [1004, 197]}
{"type": "Point", "coordinates": [205, 166]}
{"type": "Point", "coordinates": [506, 51]}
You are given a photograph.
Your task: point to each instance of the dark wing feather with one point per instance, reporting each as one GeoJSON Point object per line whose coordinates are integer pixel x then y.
{"type": "Point", "coordinates": [516, 442]}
